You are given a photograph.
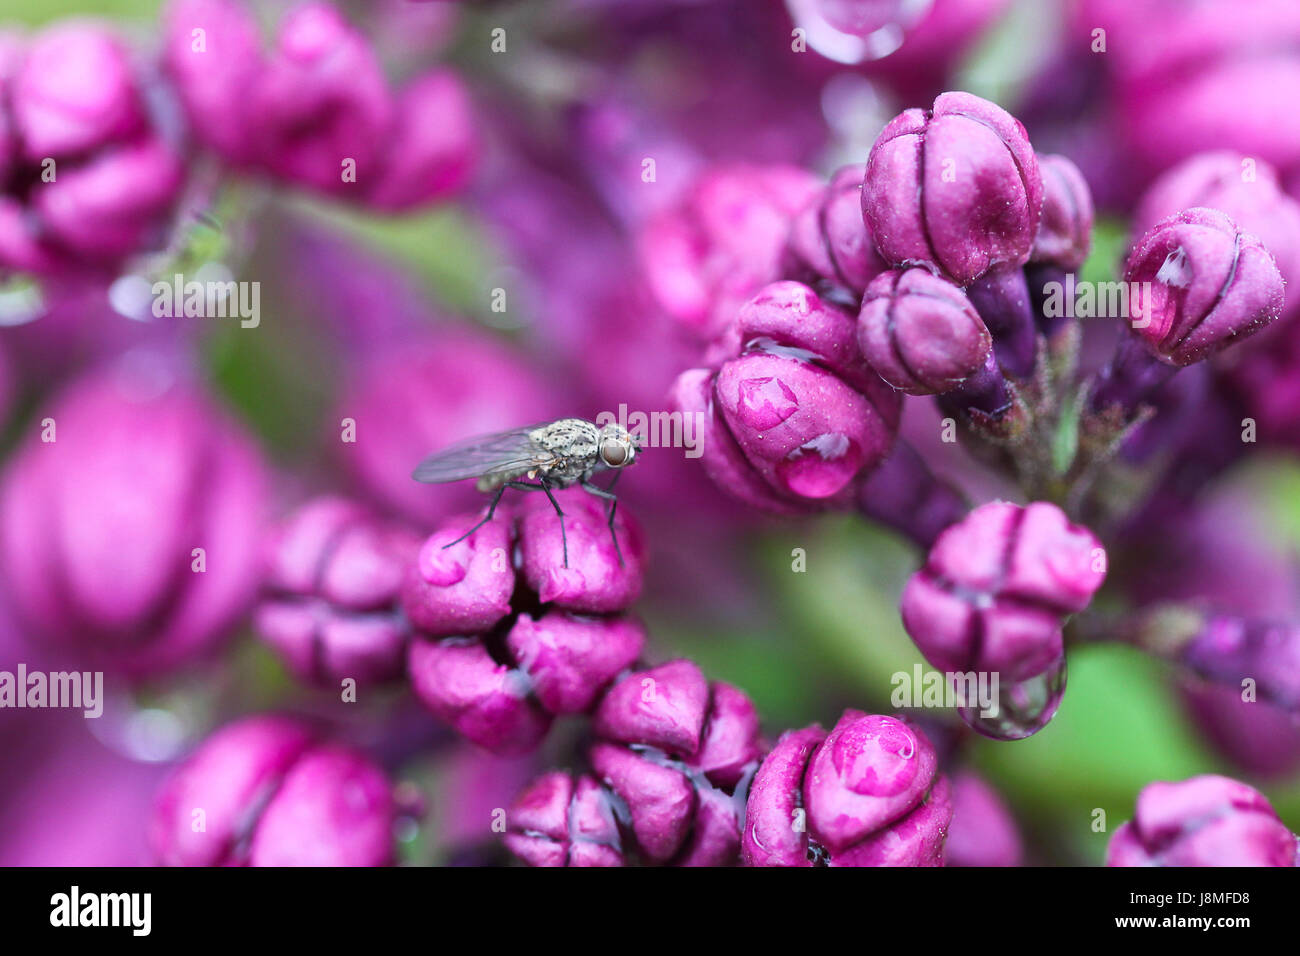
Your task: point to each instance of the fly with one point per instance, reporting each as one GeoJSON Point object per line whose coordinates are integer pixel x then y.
{"type": "Point", "coordinates": [543, 457]}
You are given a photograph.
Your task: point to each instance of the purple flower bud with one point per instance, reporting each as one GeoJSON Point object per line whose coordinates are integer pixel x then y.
{"type": "Point", "coordinates": [1205, 821]}
{"type": "Point", "coordinates": [558, 821]}
{"type": "Point", "coordinates": [74, 93]}
{"type": "Point", "coordinates": [983, 832]}
{"type": "Point", "coordinates": [147, 567]}
{"type": "Point", "coordinates": [485, 701]}
{"type": "Point", "coordinates": [465, 587]}
{"type": "Point", "coordinates": [316, 109]}
{"type": "Point", "coordinates": [866, 794]}
{"type": "Point", "coordinates": [1001, 297]}
{"type": "Point", "coordinates": [212, 49]}
{"type": "Point", "coordinates": [1259, 738]}
{"type": "Point", "coordinates": [957, 187]}
{"type": "Point", "coordinates": [1210, 285]}
{"type": "Point", "coordinates": [77, 107]}
{"type": "Point", "coordinates": [595, 581]}
{"type": "Point", "coordinates": [995, 589]}
{"type": "Point", "coordinates": [333, 578]}
{"type": "Point", "coordinates": [270, 793]}
{"type": "Point", "coordinates": [1065, 230]}
{"type": "Point", "coordinates": [904, 494]}
{"type": "Point", "coordinates": [829, 239]}
{"type": "Point", "coordinates": [689, 748]}
{"type": "Point", "coordinates": [706, 257]}
{"type": "Point", "coordinates": [920, 332]}
{"type": "Point", "coordinates": [1245, 189]}
{"type": "Point", "coordinates": [499, 678]}
{"type": "Point", "coordinates": [796, 414]}
{"type": "Point", "coordinates": [1228, 649]}
{"type": "Point", "coordinates": [434, 145]}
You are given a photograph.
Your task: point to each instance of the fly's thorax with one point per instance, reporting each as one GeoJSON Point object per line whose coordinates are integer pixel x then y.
{"type": "Point", "coordinates": [569, 438]}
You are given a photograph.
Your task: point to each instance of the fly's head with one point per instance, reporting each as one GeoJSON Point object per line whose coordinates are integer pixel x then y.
{"type": "Point", "coordinates": [617, 446]}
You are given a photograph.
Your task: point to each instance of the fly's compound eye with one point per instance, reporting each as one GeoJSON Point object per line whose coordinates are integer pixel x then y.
{"type": "Point", "coordinates": [614, 453]}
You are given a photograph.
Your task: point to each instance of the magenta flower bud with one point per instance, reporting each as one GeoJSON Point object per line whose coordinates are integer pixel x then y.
{"type": "Point", "coordinates": [114, 203]}
{"type": "Point", "coordinates": [595, 580]}
{"type": "Point", "coordinates": [499, 674]}
{"type": "Point", "coordinates": [434, 146]}
{"type": "Point", "coordinates": [796, 415]}
{"type": "Point", "coordinates": [995, 589]}
{"type": "Point", "coordinates": [866, 794]}
{"type": "Point", "coordinates": [464, 587]}
{"type": "Point", "coordinates": [269, 792]}
{"type": "Point", "coordinates": [212, 50]}
{"type": "Point", "coordinates": [983, 832]}
{"type": "Point", "coordinates": [706, 257]}
{"type": "Point", "coordinates": [1245, 189]}
{"type": "Point", "coordinates": [663, 707]}
{"type": "Point", "coordinates": [1227, 649]}
{"type": "Point", "coordinates": [74, 92]}
{"type": "Point", "coordinates": [1205, 821]}
{"type": "Point", "coordinates": [558, 821]}
{"type": "Point", "coordinates": [1065, 230]}
{"type": "Point", "coordinates": [1204, 284]}
{"type": "Point", "coordinates": [93, 173]}
{"type": "Point", "coordinates": [920, 332]}
{"type": "Point", "coordinates": [159, 578]}
{"type": "Point", "coordinates": [957, 187]}
{"type": "Point", "coordinates": [829, 239]}
{"type": "Point", "coordinates": [333, 578]}
{"type": "Point", "coordinates": [321, 100]}
{"type": "Point", "coordinates": [485, 701]}
{"type": "Point", "coordinates": [666, 794]}
{"type": "Point", "coordinates": [569, 659]}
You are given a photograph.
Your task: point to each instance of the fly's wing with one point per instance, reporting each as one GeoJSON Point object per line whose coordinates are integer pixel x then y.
{"type": "Point", "coordinates": [483, 455]}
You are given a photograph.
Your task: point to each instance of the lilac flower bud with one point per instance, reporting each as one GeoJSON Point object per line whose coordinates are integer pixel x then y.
{"type": "Point", "coordinates": [983, 832]}
{"type": "Point", "coordinates": [1245, 190]}
{"type": "Point", "coordinates": [1065, 230]}
{"type": "Point", "coordinates": [667, 797]}
{"type": "Point", "coordinates": [708, 256]}
{"type": "Point", "coordinates": [829, 240]}
{"type": "Point", "coordinates": [1228, 649]}
{"type": "Point", "coordinates": [333, 578]}
{"type": "Point", "coordinates": [500, 673]}
{"type": "Point", "coordinates": [558, 821]}
{"type": "Point", "coordinates": [920, 332]}
{"type": "Point", "coordinates": [866, 794]}
{"type": "Point", "coordinates": [995, 588]}
{"type": "Point", "coordinates": [74, 93]}
{"type": "Point", "coordinates": [316, 109]}
{"type": "Point", "coordinates": [595, 581]}
{"type": "Point", "coordinates": [463, 588]}
{"type": "Point", "coordinates": [1001, 297]}
{"type": "Point", "coordinates": [1205, 821]}
{"type": "Point", "coordinates": [270, 793]}
{"type": "Point", "coordinates": [158, 578]}
{"type": "Point", "coordinates": [957, 187]}
{"type": "Point", "coordinates": [1210, 285]}
{"type": "Point", "coordinates": [434, 147]}
{"type": "Point", "coordinates": [76, 106]}
{"type": "Point", "coordinates": [793, 414]}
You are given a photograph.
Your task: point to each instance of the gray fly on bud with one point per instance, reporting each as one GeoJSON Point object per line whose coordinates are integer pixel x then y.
{"type": "Point", "coordinates": [542, 457]}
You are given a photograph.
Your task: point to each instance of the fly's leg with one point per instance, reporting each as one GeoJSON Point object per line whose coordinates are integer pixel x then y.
{"type": "Point", "coordinates": [611, 507]}
{"type": "Point", "coordinates": [564, 538]}
{"type": "Point", "coordinates": [492, 508]}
